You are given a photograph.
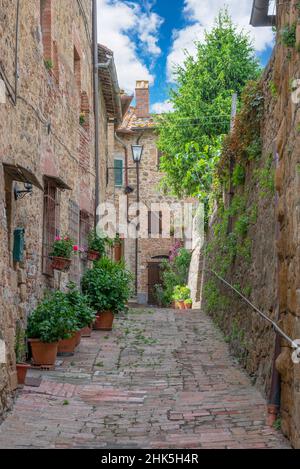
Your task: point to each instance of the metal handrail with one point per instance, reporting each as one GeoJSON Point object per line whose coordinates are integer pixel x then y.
{"type": "Point", "coordinates": [295, 344]}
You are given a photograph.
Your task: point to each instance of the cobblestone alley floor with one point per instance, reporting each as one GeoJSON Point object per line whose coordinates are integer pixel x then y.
{"type": "Point", "coordinates": [162, 379]}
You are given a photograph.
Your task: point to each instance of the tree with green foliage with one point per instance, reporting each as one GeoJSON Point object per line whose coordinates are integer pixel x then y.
{"type": "Point", "coordinates": [190, 138]}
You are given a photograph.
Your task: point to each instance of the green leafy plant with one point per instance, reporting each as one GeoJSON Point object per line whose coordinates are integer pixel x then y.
{"type": "Point", "coordinates": [273, 89]}
{"type": "Point", "coordinates": [214, 301]}
{"type": "Point", "coordinates": [266, 177]}
{"type": "Point", "coordinates": [239, 175]}
{"type": "Point", "coordinates": [108, 286]}
{"type": "Point", "coordinates": [84, 313]}
{"type": "Point", "coordinates": [48, 64]}
{"type": "Point", "coordinates": [242, 225]}
{"type": "Point", "coordinates": [181, 293]}
{"type": "Point", "coordinates": [188, 301]}
{"type": "Point", "coordinates": [174, 272]}
{"type": "Point", "coordinates": [288, 35]}
{"type": "Point", "coordinates": [97, 242]}
{"type": "Point", "coordinates": [63, 247]}
{"type": "Point", "coordinates": [277, 424]}
{"type": "Point", "coordinates": [82, 118]}
{"type": "Point", "coordinates": [117, 240]}
{"type": "Point", "coordinates": [54, 319]}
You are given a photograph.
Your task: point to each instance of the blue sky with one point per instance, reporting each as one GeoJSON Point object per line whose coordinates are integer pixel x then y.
{"type": "Point", "coordinates": [149, 36]}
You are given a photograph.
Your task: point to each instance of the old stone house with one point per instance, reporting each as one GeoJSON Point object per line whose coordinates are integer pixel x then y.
{"type": "Point", "coordinates": [272, 279]}
{"type": "Point", "coordinates": [124, 180]}
{"type": "Point", "coordinates": [47, 154]}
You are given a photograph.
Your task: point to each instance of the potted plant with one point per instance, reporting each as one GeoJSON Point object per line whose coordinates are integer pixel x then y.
{"type": "Point", "coordinates": [48, 324]}
{"type": "Point", "coordinates": [96, 246]}
{"type": "Point", "coordinates": [118, 248]}
{"type": "Point", "coordinates": [108, 286]}
{"type": "Point", "coordinates": [176, 297]}
{"type": "Point", "coordinates": [20, 351]}
{"type": "Point", "coordinates": [61, 252]}
{"type": "Point", "coordinates": [85, 316]}
{"type": "Point", "coordinates": [180, 294]}
{"type": "Point", "coordinates": [188, 303]}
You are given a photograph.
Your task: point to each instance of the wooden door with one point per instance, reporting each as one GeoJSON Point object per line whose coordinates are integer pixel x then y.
{"type": "Point", "coordinates": [154, 278]}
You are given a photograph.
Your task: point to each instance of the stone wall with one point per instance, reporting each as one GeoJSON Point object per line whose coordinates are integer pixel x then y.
{"type": "Point", "coordinates": [271, 276]}
{"type": "Point", "coordinates": [41, 132]}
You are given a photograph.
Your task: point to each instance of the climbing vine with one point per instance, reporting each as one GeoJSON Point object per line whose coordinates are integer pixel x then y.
{"type": "Point", "coordinates": [230, 242]}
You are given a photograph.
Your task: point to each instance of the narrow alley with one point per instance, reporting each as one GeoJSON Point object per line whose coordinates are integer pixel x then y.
{"type": "Point", "coordinates": [162, 379]}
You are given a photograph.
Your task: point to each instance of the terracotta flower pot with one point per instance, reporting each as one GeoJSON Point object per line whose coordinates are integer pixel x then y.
{"type": "Point", "coordinates": [104, 321]}
{"type": "Point", "coordinates": [42, 353]}
{"type": "Point", "coordinates": [22, 369]}
{"type": "Point", "coordinates": [87, 331]}
{"type": "Point", "coordinates": [118, 252]}
{"type": "Point", "coordinates": [176, 304]}
{"type": "Point", "coordinates": [67, 346]}
{"type": "Point", "coordinates": [61, 263]}
{"type": "Point", "coordinates": [188, 306]}
{"type": "Point", "coordinates": [93, 256]}
{"type": "Point", "coordinates": [181, 304]}
{"type": "Point", "coordinates": [78, 338]}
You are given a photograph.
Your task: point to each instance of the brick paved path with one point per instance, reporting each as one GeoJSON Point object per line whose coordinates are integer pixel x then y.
{"type": "Point", "coordinates": [162, 379]}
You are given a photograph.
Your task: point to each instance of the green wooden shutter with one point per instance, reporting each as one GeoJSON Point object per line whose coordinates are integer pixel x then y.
{"type": "Point", "coordinates": [119, 173]}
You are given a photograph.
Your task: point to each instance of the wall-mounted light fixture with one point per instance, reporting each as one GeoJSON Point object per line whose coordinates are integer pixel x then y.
{"type": "Point", "coordinates": [20, 194]}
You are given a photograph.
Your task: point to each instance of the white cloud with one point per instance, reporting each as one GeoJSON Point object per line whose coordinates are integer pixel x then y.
{"type": "Point", "coordinates": [117, 19]}
{"type": "Point", "coordinates": [160, 108]}
{"type": "Point", "coordinates": [202, 13]}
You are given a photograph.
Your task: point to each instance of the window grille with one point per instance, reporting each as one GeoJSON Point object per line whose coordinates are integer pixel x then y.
{"type": "Point", "coordinates": [51, 225]}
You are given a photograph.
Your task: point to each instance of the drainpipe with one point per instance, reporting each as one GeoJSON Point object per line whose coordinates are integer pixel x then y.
{"type": "Point", "coordinates": [17, 51]}
{"type": "Point", "coordinates": [96, 108]}
{"type": "Point", "coordinates": [274, 399]}
{"type": "Point", "coordinates": [123, 144]}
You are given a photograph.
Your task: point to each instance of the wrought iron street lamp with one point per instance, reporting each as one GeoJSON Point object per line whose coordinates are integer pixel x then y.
{"type": "Point", "coordinates": [137, 153]}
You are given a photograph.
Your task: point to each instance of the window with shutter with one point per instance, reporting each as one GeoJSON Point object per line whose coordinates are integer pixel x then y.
{"type": "Point", "coordinates": [119, 172]}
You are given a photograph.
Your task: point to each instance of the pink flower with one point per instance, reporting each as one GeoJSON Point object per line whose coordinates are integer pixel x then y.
{"type": "Point", "coordinates": [67, 238]}
{"type": "Point", "coordinates": [58, 238]}
{"type": "Point", "coordinates": [75, 248]}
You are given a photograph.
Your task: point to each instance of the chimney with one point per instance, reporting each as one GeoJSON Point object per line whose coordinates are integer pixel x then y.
{"type": "Point", "coordinates": [142, 98]}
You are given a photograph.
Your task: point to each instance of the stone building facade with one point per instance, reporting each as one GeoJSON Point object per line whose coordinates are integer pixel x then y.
{"type": "Point", "coordinates": [272, 279]}
{"type": "Point", "coordinates": [47, 141]}
{"type": "Point", "coordinates": [143, 256]}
